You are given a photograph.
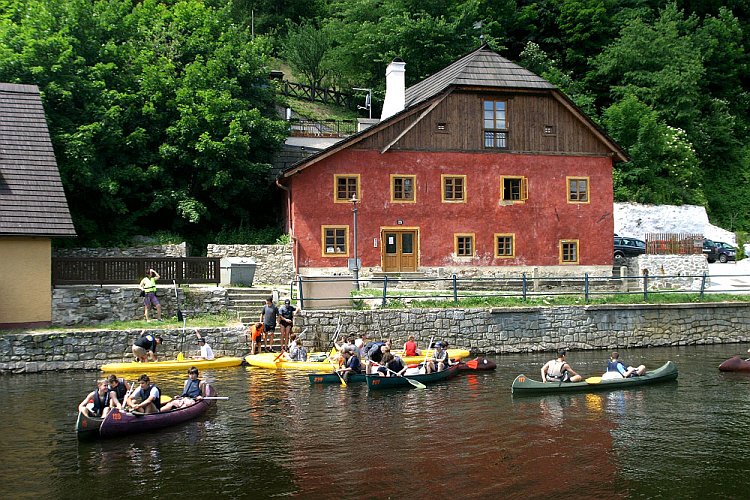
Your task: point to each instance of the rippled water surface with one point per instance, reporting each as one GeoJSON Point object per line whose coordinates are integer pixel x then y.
{"type": "Point", "coordinates": [279, 436]}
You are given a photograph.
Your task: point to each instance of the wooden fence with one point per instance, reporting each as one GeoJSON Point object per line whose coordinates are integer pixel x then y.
{"type": "Point", "coordinates": [131, 270]}
{"type": "Point", "coordinates": [310, 93]}
{"type": "Point", "coordinates": [674, 243]}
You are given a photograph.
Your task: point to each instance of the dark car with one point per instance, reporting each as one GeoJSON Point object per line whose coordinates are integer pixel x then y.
{"type": "Point", "coordinates": [710, 250]}
{"type": "Point", "coordinates": [628, 247]}
{"type": "Point", "coordinates": [726, 252]}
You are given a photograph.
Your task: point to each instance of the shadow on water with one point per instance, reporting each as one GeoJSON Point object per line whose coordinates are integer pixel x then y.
{"type": "Point", "coordinates": [280, 436]}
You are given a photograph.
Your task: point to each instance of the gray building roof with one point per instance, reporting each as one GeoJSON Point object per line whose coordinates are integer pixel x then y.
{"type": "Point", "coordinates": [32, 200]}
{"type": "Point", "coordinates": [481, 68]}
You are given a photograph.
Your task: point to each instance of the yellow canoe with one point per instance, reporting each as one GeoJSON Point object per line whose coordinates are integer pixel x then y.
{"type": "Point", "coordinates": [172, 365]}
{"type": "Point", "coordinates": [266, 360]}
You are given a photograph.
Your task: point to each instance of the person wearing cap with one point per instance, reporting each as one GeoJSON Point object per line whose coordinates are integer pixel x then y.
{"type": "Point", "coordinates": [616, 367]}
{"type": "Point", "coordinates": [192, 391]}
{"type": "Point", "coordinates": [286, 320]}
{"type": "Point", "coordinates": [558, 370]}
{"type": "Point", "coordinates": [439, 360]}
{"type": "Point", "coordinates": [206, 351]}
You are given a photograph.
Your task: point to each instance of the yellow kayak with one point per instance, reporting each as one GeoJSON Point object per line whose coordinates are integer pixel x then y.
{"type": "Point", "coordinates": [172, 365]}
{"type": "Point", "coordinates": [273, 361]}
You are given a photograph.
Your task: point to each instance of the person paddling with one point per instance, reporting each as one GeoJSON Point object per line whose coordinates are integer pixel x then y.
{"type": "Point", "coordinates": [147, 398]}
{"type": "Point", "coordinates": [558, 370]}
{"type": "Point", "coordinates": [351, 365]}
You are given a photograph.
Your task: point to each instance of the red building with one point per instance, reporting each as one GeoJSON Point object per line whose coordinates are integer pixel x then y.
{"type": "Point", "coordinates": [483, 168]}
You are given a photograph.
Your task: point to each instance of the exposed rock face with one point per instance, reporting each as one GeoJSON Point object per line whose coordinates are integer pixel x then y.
{"type": "Point", "coordinates": [635, 220]}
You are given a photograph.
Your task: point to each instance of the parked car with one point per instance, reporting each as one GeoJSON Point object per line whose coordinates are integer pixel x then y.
{"type": "Point", "coordinates": [726, 252]}
{"type": "Point", "coordinates": [628, 247]}
{"type": "Point", "coordinates": [710, 250]}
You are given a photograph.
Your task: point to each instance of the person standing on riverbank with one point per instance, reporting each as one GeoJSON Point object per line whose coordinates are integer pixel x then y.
{"type": "Point", "coordinates": [148, 290]}
{"type": "Point", "coordinates": [558, 370]}
{"type": "Point", "coordinates": [287, 312]}
{"type": "Point", "coordinates": [269, 317]}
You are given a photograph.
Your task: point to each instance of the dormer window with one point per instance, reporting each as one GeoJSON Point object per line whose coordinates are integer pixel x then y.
{"type": "Point", "coordinates": [495, 125]}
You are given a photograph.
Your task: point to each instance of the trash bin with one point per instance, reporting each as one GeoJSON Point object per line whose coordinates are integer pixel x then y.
{"type": "Point", "coordinates": [237, 271]}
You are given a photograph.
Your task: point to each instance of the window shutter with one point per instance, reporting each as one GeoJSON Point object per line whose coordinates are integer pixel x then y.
{"type": "Point", "coordinates": [524, 188]}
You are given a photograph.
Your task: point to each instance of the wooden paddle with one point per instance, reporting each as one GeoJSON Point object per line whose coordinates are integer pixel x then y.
{"type": "Point", "coordinates": [343, 382]}
{"type": "Point", "coordinates": [280, 354]}
{"type": "Point", "coordinates": [418, 385]}
{"type": "Point", "coordinates": [426, 351]}
{"type": "Point", "coordinates": [593, 380]}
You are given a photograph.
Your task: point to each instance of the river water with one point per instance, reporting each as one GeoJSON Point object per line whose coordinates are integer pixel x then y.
{"type": "Point", "coordinates": [468, 437]}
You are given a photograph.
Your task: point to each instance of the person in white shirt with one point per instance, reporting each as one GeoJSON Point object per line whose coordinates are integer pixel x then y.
{"type": "Point", "coordinates": [206, 351]}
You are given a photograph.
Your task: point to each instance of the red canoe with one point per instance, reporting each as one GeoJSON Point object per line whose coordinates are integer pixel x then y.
{"type": "Point", "coordinates": [478, 364]}
{"type": "Point", "coordinates": [120, 423]}
{"type": "Point", "coordinates": [735, 364]}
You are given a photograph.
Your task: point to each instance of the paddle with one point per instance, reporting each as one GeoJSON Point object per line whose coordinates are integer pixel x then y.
{"type": "Point", "coordinates": [343, 382]}
{"type": "Point", "coordinates": [218, 398]}
{"type": "Point", "coordinates": [426, 351]}
{"type": "Point", "coordinates": [280, 354]}
{"type": "Point", "coordinates": [180, 317]}
{"type": "Point", "coordinates": [418, 385]}
{"type": "Point", "coordinates": [473, 364]}
{"type": "Point", "coordinates": [593, 380]}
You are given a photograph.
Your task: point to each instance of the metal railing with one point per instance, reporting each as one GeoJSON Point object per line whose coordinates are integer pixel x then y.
{"type": "Point", "coordinates": [522, 287]}
{"type": "Point", "coordinates": [310, 93]}
{"type": "Point", "coordinates": [300, 127]}
{"type": "Point", "coordinates": [130, 270]}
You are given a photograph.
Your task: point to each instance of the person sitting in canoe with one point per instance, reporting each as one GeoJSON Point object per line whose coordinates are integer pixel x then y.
{"type": "Point", "coordinates": [375, 351]}
{"type": "Point", "coordinates": [351, 366]}
{"type": "Point", "coordinates": [99, 397]}
{"type": "Point", "coordinates": [191, 392]}
{"type": "Point", "coordinates": [147, 398]}
{"type": "Point", "coordinates": [118, 389]}
{"type": "Point", "coordinates": [410, 347]}
{"type": "Point", "coordinates": [616, 367]}
{"type": "Point", "coordinates": [439, 360]}
{"type": "Point", "coordinates": [205, 350]}
{"type": "Point", "coordinates": [391, 365]}
{"type": "Point", "coordinates": [297, 351]}
{"type": "Point", "coordinates": [558, 370]}
{"type": "Point", "coordinates": [144, 348]}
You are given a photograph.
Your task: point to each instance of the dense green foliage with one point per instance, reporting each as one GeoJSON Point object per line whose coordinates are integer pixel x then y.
{"type": "Point", "coordinates": [162, 116]}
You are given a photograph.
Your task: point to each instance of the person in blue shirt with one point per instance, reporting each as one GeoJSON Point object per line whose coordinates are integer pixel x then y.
{"type": "Point", "coordinates": [351, 365]}
{"type": "Point", "coordinates": [615, 365]}
{"type": "Point", "coordinates": [191, 392]}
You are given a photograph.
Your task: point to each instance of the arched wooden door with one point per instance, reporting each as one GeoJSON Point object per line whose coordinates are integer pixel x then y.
{"type": "Point", "coordinates": [400, 250]}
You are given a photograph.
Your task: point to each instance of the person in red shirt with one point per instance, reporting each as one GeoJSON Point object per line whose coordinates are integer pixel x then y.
{"type": "Point", "coordinates": [256, 332]}
{"type": "Point", "coordinates": [410, 347]}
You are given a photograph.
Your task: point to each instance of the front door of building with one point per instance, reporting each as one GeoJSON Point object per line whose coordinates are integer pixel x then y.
{"type": "Point", "coordinates": [399, 250]}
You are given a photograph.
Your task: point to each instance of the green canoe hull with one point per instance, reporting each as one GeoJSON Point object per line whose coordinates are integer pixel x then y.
{"type": "Point", "coordinates": [377, 382]}
{"type": "Point", "coordinates": [332, 378]}
{"type": "Point", "coordinates": [523, 385]}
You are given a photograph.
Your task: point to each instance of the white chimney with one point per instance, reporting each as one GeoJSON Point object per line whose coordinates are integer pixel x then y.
{"type": "Point", "coordinates": [395, 88]}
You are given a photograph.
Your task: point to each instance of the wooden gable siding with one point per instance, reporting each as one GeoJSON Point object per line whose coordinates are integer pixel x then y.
{"type": "Point", "coordinates": [527, 116]}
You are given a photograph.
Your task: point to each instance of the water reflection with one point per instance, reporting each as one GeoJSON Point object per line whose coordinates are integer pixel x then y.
{"type": "Point", "coordinates": [280, 436]}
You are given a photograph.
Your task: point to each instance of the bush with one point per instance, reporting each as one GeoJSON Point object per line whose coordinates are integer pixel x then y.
{"type": "Point", "coordinates": [249, 236]}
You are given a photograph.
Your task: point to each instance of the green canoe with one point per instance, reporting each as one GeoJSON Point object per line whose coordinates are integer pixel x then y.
{"type": "Point", "coordinates": [523, 385]}
{"type": "Point", "coordinates": [378, 382]}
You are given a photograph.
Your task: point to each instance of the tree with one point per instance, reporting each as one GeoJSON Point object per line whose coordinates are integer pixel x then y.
{"type": "Point", "coordinates": [306, 48]}
{"type": "Point", "coordinates": [161, 110]}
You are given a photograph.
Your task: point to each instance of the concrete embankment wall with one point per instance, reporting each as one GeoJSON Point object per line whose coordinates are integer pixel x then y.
{"type": "Point", "coordinates": [497, 330]}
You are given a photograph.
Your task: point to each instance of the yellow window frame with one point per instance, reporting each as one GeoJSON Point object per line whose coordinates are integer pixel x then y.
{"type": "Point", "coordinates": [588, 189]}
{"type": "Point", "coordinates": [576, 243]}
{"type": "Point", "coordinates": [512, 237]}
{"type": "Point", "coordinates": [464, 189]}
{"type": "Point", "coordinates": [472, 237]}
{"type": "Point", "coordinates": [323, 248]}
{"type": "Point", "coordinates": [413, 185]}
{"type": "Point", "coordinates": [523, 188]}
{"type": "Point", "coordinates": [336, 178]}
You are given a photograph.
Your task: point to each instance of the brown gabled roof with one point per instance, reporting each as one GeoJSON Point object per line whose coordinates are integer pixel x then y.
{"type": "Point", "coordinates": [481, 68]}
{"type": "Point", "coordinates": [32, 200]}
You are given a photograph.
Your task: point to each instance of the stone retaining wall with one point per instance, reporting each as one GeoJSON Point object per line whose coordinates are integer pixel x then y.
{"type": "Point", "coordinates": [492, 331]}
{"type": "Point", "coordinates": [33, 352]}
{"type": "Point", "coordinates": [275, 264]}
{"type": "Point", "coordinates": [79, 305]}
{"type": "Point", "coordinates": [155, 251]}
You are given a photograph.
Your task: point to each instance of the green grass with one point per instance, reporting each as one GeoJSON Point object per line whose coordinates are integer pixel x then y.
{"type": "Point", "coordinates": [404, 302]}
{"type": "Point", "coordinates": [203, 321]}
